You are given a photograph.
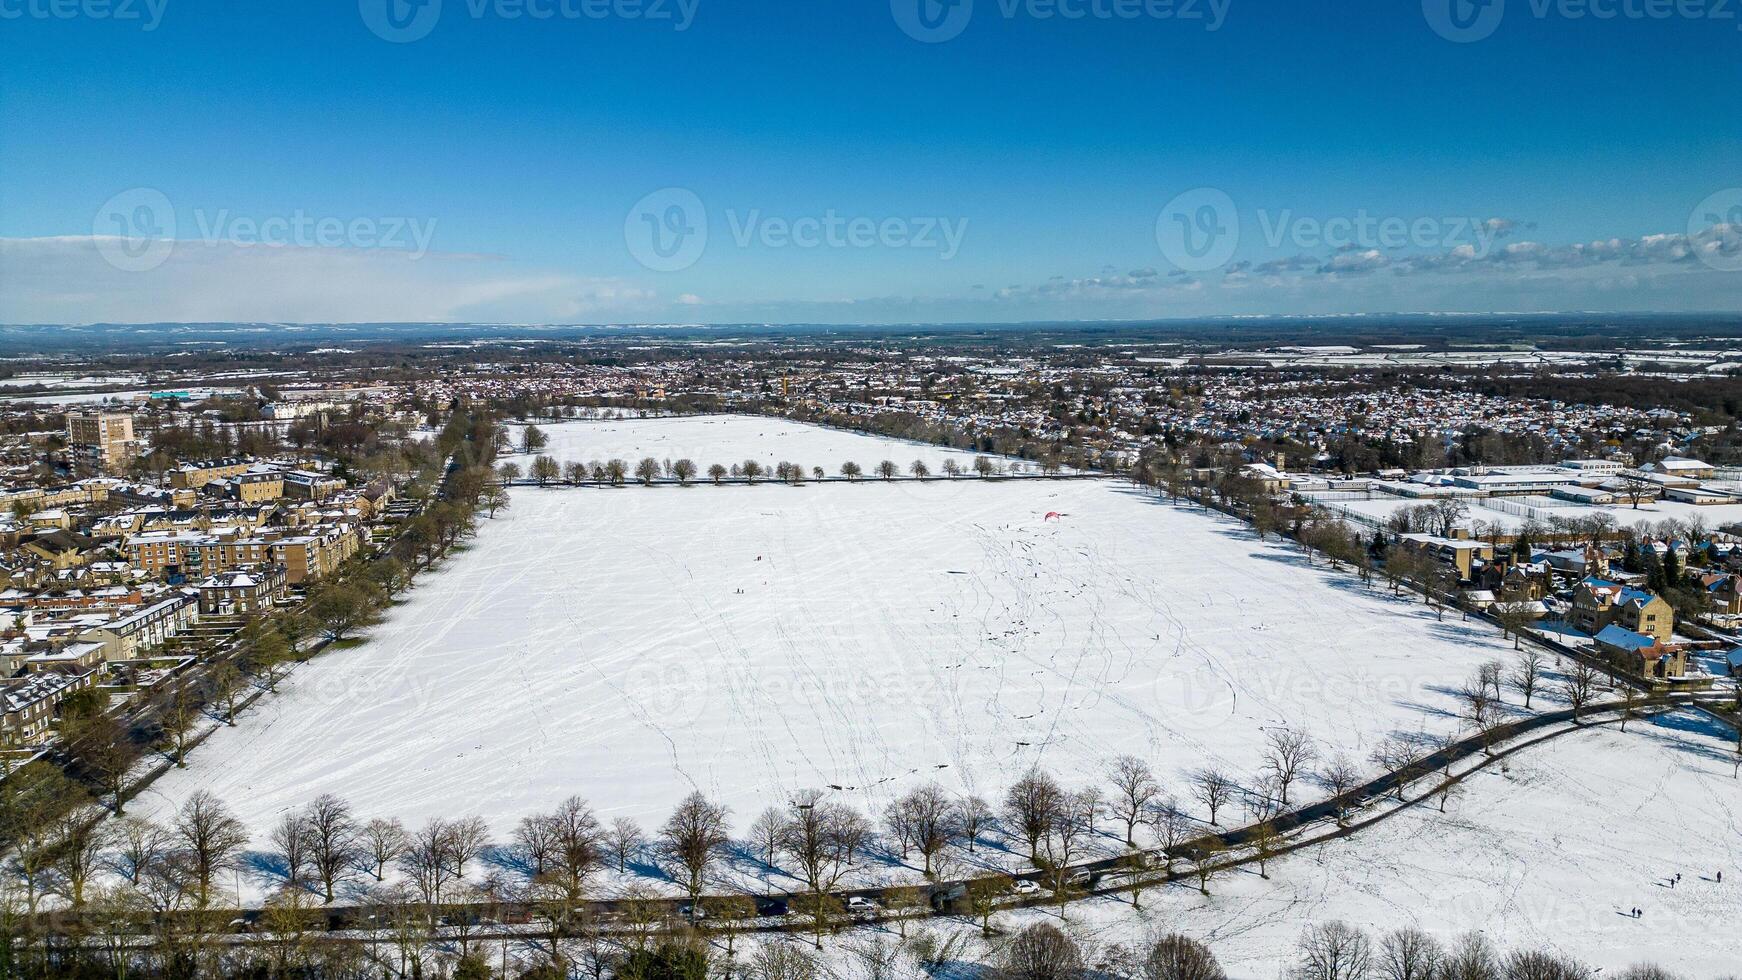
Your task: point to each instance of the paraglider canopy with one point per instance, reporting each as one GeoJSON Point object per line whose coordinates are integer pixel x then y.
{"type": "Point", "coordinates": [1051, 515]}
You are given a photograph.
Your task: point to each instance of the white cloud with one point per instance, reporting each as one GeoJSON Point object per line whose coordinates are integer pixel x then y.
{"type": "Point", "coordinates": [67, 280]}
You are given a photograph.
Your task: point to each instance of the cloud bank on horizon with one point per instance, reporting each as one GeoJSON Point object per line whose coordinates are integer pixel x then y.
{"type": "Point", "coordinates": [73, 279]}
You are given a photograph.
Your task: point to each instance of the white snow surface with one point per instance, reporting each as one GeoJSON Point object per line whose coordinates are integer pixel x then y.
{"type": "Point", "coordinates": [730, 439]}
{"type": "Point", "coordinates": [630, 645]}
{"type": "Point", "coordinates": [1551, 852]}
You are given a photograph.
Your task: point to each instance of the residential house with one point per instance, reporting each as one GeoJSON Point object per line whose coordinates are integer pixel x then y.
{"type": "Point", "coordinates": [1641, 655]}
{"type": "Point", "coordinates": [1724, 592]}
{"type": "Point", "coordinates": [1462, 553]}
{"type": "Point", "coordinates": [130, 636]}
{"type": "Point", "coordinates": [27, 704]}
{"type": "Point", "coordinates": [1598, 604]}
{"type": "Point", "coordinates": [229, 593]}
{"type": "Point", "coordinates": [61, 549]}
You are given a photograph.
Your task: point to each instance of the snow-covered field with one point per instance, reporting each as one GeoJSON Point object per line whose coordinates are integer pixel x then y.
{"type": "Point", "coordinates": [1504, 512]}
{"type": "Point", "coordinates": [1550, 853]}
{"type": "Point", "coordinates": [631, 645]}
{"type": "Point", "coordinates": [729, 439]}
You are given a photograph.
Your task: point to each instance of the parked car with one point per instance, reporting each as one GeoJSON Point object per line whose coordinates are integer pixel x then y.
{"type": "Point", "coordinates": [860, 905]}
{"type": "Point", "coordinates": [1026, 886]}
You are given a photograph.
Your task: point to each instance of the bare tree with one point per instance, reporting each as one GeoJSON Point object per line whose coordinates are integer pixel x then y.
{"type": "Point", "coordinates": [1213, 787]}
{"type": "Point", "coordinates": [1341, 776]}
{"type": "Point", "coordinates": [693, 836]}
{"type": "Point", "coordinates": [1178, 957]}
{"type": "Point", "coordinates": [1481, 712]}
{"type": "Point", "coordinates": [1579, 686]}
{"type": "Point", "coordinates": [1204, 864]}
{"type": "Point", "coordinates": [1539, 965]}
{"type": "Point", "coordinates": [467, 838]}
{"type": "Point", "coordinates": [545, 469]}
{"type": "Point", "coordinates": [225, 686]}
{"type": "Point", "coordinates": [647, 471]}
{"type": "Point", "coordinates": [178, 716]}
{"type": "Point", "coordinates": [1515, 619]}
{"type": "Point", "coordinates": [532, 839]}
{"type": "Point", "coordinates": [139, 845]}
{"type": "Point", "coordinates": [382, 840]}
{"type": "Point", "coordinates": [815, 837]}
{"type": "Point", "coordinates": [972, 816]}
{"type": "Point", "coordinates": [1631, 697]}
{"type": "Point", "coordinates": [1333, 951]}
{"type": "Point", "coordinates": [78, 858]}
{"type": "Point", "coordinates": [1397, 755]}
{"type": "Point", "coordinates": [427, 861]}
{"type": "Point", "coordinates": [1040, 952]}
{"type": "Point", "coordinates": [1471, 956]}
{"type": "Point", "coordinates": [781, 961]}
{"type": "Point", "coordinates": [765, 833]}
{"type": "Point", "coordinates": [1408, 954]}
{"type": "Point", "coordinates": [924, 818]}
{"type": "Point", "coordinates": [575, 840]}
{"type": "Point", "coordinates": [290, 840]}
{"type": "Point", "coordinates": [684, 470]}
{"type": "Point", "coordinates": [624, 839]}
{"type": "Point", "coordinates": [333, 841]}
{"type": "Point", "coordinates": [1527, 669]}
{"type": "Point", "coordinates": [1171, 827]}
{"type": "Point", "coordinates": [1492, 675]}
{"type": "Point", "coordinates": [1635, 487]}
{"type": "Point", "coordinates": [1134, 788]}
{"type": "Point", "coordinates": [1032, 806]}
{"type": "Point", "coordinates": [851, 471]}
{"type": "Point", "coordinates": [1287, 752]}
{"type": "Point", "coordinates": [210, 837]}
{"type": "Point", "coordinates": [887, 469]}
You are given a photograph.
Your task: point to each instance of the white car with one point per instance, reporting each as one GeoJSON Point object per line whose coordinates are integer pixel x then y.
{"type": "Point", "coordinates": [860, 905]}
{"type": "Point", "coordinates": [1026, 887]}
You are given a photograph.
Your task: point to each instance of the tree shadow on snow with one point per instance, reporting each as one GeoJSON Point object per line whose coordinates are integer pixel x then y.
{"type": "Point", "coordinates": [265, 866]}
{"type": "Point", "coordinates": [642, 867]}
{"type": "Point", "coordinates": [507, 857]}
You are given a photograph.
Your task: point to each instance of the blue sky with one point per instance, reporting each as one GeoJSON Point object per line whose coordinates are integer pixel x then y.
{"type": "Point", "coordinates": [487, 164]}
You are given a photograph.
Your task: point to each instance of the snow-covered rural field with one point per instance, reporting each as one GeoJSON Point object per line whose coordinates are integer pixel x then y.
{"type": "Point", "coordinates": [1550, 853]}
{"type": "Point", "coordinates": [1514, 512]}
{"type": "Point", "coordinates": [729, 439]}
{"type": "Point", "coordinates": [633, 644]}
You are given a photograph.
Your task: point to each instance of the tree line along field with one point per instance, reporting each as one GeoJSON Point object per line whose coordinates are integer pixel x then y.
{"type": "Point", "coordinates": [634, 646]}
